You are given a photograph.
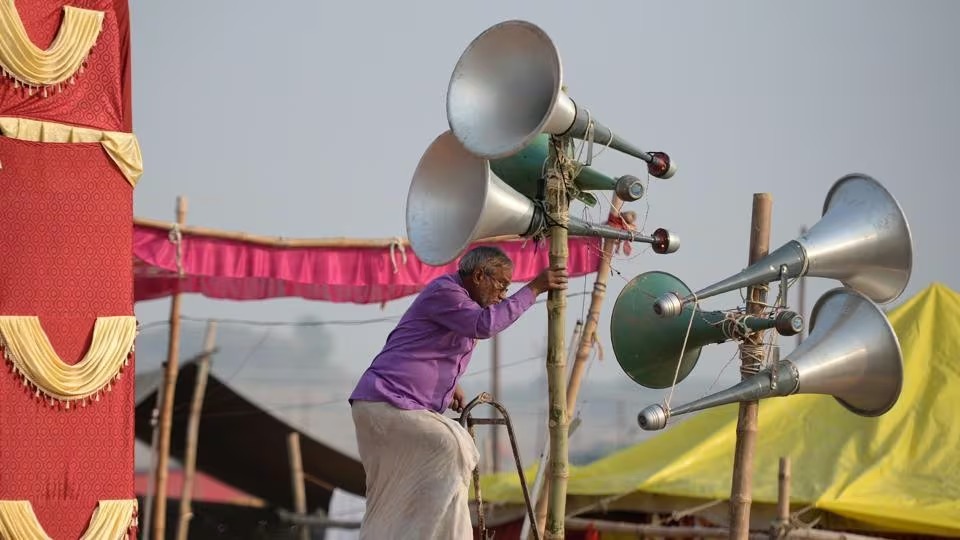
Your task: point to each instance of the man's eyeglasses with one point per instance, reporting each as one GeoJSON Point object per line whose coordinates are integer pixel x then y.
{"type": "Point", "coordinates": [500, 286]}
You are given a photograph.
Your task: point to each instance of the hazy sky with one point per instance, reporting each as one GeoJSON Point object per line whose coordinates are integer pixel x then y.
{"type": "Point", "coordinates": [308, 120]}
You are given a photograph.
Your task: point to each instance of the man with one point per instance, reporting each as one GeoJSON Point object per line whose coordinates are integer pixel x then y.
{"type": "Point", "coordinates": [418, 462]}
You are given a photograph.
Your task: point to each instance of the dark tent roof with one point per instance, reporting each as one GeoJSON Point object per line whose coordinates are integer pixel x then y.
{"type": "Point", "coordinates": [244, 446]}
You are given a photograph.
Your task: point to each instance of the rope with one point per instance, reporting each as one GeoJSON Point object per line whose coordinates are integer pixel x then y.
{"type": "Point", "coordinates": [754, 353]}
{"type": "Point", "coordinates": [176, 237]}
{"type": "Point", "coordinates": [677, 515]}
{"type": "Point", "coordinates": [683, 349]}
{"type": "Point", "coordinates": [395, 244]}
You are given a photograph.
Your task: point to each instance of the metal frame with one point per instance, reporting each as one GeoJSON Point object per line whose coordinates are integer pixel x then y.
{"type": "Point", "coordinates": [469, 422]}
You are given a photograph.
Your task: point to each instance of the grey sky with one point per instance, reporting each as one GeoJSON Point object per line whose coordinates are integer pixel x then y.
{"type": "Point", "coordinates": [308, 121]}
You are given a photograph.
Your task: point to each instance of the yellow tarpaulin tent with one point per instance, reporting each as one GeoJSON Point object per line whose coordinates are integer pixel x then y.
{"type": "Point", "coordinates": [898, 473]}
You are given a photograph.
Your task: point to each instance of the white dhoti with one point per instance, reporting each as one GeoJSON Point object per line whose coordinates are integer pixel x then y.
{"type": "Point", "coordinates": [418, 465]}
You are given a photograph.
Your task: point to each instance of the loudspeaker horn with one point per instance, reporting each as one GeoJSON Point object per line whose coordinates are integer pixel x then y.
{"type": "Point", "coordinates": [648, 347]}
{"type": "Point", "coordinates": [523, 170]}
{"type": "Point", "coordinates": [507, 88]}
{"type": "Point", "coordinates": [852, 354]}
{"type": "Point", "coordinates": [863, 240]}
{"type": "Point", "coordinates": [455, 199]}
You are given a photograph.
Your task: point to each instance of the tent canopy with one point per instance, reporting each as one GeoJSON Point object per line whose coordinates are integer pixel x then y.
{"type": "Point", "coordinates": [244, 446]}
{"type": "Point", "coordinates": [899, 472]}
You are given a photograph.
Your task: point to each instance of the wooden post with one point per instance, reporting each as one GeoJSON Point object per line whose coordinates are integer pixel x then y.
{"type": "Point", "coordinates": [539, 490]}
{"type": "Point", "coordinates": [558, 208]}
{"type": "Point", "coordinates": [151, 487]}
{"type": "Point", "coordinates": [783, 497]}
{"type": "Point", "coordinates": [296, 478]}
{"type": "Point", "coordinates": [495, 388]}
{"type": "Point", "coordinates": [193, 430]}
{"type": "Point", "coordinates": [697, 531]}
{"type": "Point", "coordinates": [751, 354]}
{"type": "Point", "coordinates": [166, 412]}
{"type": "Point", "coordinates": [585, 345]}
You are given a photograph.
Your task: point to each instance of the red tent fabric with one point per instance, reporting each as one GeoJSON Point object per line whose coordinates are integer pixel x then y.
{"type": "Point", "coordinates": [216, 265]}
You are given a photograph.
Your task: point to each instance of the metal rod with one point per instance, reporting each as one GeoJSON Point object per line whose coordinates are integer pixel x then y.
{"type": "Point", "coordinates": [495, 387]}
{"type": "Point", "coordinates": [802, 297]}
{"type": "Point", "coordinates": [469, 422]}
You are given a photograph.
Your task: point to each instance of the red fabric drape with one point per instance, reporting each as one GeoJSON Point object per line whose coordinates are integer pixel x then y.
{"type": "Point", "coordinates": [234, 270]}
{"type": "Point", "coordinates": [100, 97]}
{"type": "Point", "coordinates": [65, 257]}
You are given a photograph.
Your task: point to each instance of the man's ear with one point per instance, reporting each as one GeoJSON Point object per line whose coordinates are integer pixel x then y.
{"type": "Point", "coordinates": [478, 275]}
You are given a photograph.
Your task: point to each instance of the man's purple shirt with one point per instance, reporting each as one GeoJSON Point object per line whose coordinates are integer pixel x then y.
{"type": "Point", "coordinates": [429, 350]}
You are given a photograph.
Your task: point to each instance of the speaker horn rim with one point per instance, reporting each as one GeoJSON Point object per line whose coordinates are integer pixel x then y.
{"type": "Point", "coordinates": [839, 184]}
{"type": "Point", "coordinates": [695, 356]}
{"type": "Point", "coordinates": [436, 146]}
{"type": "Point", "coordinates": [556, 70]}
{"type": "Point", "coordinates": [849, 291]}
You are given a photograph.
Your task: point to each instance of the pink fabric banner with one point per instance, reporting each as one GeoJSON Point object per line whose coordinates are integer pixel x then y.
{"type": "Point", "coordinates": [238, 270]}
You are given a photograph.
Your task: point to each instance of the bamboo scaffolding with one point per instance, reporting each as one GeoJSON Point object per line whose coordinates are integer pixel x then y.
{"type": "Point", "coordinates": [280, 241]}
{"type": "Point", "coordinates": [558, 207]}
{"type": "Point", "coordinates": [751, 355]}
{"type": "Point", "coordinates": [584, 347]}
{"type": "Point", "coordinates": [662, 531]}
{"type": "Point", "coordinates": [193, 431]}
{"type": "Point", "coordinates": [166, 411]}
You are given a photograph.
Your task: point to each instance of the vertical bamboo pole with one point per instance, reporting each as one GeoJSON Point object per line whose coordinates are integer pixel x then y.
{"type": "Point", "coordinates": [783, 496]}
{"type": "Point", "coordinates": [166, 412]}
{"type": "Point", "coordinates": [751, 354]}
{"type": "Point", "coordinates": [584, 347]}
{"type": "Point", "coordinates": [151, 488]}
{"type": "Point", "coordinates": [558, 207]}
{"type": "Point", "coordinates": [539, 490]}
{"type": "Point", "coordinates": [296, 478]}
{"type": "Point", "coordinates": [193, 431]}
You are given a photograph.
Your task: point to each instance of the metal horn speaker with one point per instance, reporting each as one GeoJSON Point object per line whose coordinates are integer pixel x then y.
{"type": "Point", "coordinates": [455, 199]}
{"type": "Point", "coordinates": [852, 354]}
{"type": "Point", "coordinates": [863, 240]}
{"type": "Point", "coordinates": [507, 88]}
{"type": "Point", "coordinates": [648, 347]}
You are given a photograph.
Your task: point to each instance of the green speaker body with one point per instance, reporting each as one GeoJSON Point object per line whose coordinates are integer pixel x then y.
{"type": "Point", "coordinates": [522, 171]}
{"type": "Point", "coordinates": [648, 346]}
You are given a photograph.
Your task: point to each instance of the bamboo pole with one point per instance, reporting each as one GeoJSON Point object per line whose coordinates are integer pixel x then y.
{"type": "Point", "coordinates": [166, 412]}
{"type": "Point", "coordinates": [279, 241]}
{"type": "Point", "coordinates": [751, 354]}
{"type": "Point", "coordinates": [151, 487]}
{"type": "Point", "coordinates": [584, 347]}
{"type": "Point", "coordinates": [558, 206]}
{"type": "Point", "coordinates": [297, 480]}
{"type": "Point", "coordinates": [538, 491]}
{"type": "Point", "coordinates": [783, 498]}
{"type": "Point", "coordinates": [193, 431]}
{"type": "Point", "coordinates": [649, 531]}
